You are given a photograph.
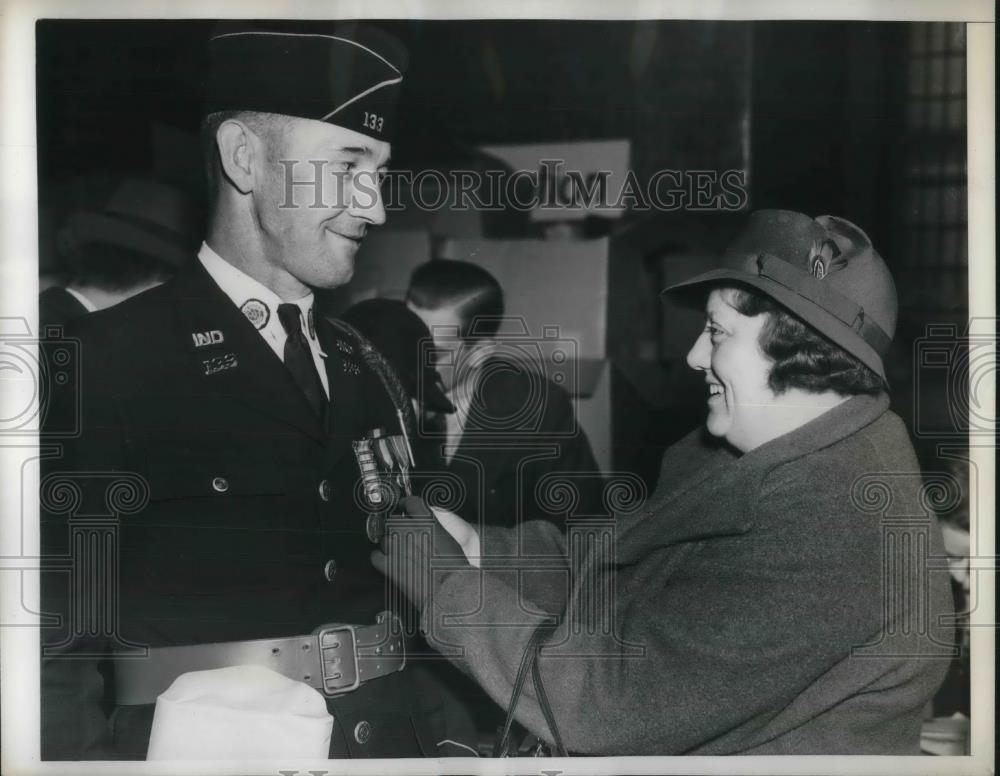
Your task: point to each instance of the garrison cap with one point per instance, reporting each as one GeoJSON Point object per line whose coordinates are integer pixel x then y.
{"type": "Point", "coordinates": [343, 73]}
{"type": "Point", "coordinates": [824, 270]}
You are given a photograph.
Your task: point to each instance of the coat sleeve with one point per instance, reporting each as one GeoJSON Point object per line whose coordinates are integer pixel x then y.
{"type": "Point", "coordinates": [702, 648]}
{"type": "Point", "coordinates": [544, 582]}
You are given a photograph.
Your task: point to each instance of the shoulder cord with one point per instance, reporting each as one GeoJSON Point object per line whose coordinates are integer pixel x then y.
{"type": "Point", "coordinates": [386, 374]}
{"type": "Point", "coordinates": [407, 424]}
{"type": "Point", "coordinates": [529, 660]}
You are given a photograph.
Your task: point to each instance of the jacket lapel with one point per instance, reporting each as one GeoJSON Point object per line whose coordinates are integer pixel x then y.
{"type": "Point", "coordinates": [232, 359]}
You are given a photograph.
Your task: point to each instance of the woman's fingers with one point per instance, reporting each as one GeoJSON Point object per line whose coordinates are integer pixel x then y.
{"type": "Point", "coordinates": [380, 561]}
{"type": "Point", "coordinates": [461, 531]}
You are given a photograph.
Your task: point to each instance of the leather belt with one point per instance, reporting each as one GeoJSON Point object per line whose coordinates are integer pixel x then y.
{"type": "Point", "coordinates": [334, 659]}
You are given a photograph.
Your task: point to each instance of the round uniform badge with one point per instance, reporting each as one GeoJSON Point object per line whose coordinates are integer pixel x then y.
{"type": "Point", "coordinates": [256, 312]}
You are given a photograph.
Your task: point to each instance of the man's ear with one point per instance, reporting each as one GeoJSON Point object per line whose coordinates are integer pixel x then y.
{"type": "Point", "coordinates": [237, 146]}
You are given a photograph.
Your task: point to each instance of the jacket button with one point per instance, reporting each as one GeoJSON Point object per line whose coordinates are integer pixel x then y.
{"type": "Point", "coordinates": [362, 732]}
{"type": "Point", "coordinates": [330, 570]}
{"type": "Point", "coordinates": [325, 490]}
{"type": "Point", "coordinates": [220, 484]}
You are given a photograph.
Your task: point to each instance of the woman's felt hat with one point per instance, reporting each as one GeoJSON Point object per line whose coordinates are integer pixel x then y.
{"type": "Point", "coordinates": [824, 270]}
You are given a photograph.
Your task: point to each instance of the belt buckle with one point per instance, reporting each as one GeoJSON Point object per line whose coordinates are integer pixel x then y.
{"type": "Point", "coordinates": [380, 646]}
{"type": "Point", "coordinates": [338, 651]}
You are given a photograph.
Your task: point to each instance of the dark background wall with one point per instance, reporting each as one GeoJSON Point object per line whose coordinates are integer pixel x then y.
{"type": "Point", "coordinates": [815, 112]}
{"type": "Point", "coordinates": [817, 98]}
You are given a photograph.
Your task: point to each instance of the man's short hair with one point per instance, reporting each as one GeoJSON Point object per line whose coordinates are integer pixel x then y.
{"type": "Point", "coordinates": [268, 125]}
{"type": "Point", "coordinates": [473, 292]}
{"type": "Point", "coordinates": [803, 358]}
{"type": "Point", "coordinates": [115, 268]}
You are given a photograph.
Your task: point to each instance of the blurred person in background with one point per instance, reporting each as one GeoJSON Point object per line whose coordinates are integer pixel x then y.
{"type": "Point", "coordinates": [398, 334]}
{"type": "Point", "coordinates": [485, 442]}
{"type": "Point", "coordinates": [139, 240]}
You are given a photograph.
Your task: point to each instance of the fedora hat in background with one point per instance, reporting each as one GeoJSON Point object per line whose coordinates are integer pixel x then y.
{"type": "Point", "coordinates": [145, 216]}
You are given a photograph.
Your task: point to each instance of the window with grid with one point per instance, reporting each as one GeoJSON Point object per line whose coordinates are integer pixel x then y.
{"type": "Point", "coordinates": [933, 268]}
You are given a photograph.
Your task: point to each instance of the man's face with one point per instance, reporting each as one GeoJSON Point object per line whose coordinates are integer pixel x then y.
{"type": "Point", "coordinates": [319, 193]}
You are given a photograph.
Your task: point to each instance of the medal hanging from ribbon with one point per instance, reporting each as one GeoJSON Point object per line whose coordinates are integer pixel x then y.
{"type": "Point", "coordinates": [384, 464]}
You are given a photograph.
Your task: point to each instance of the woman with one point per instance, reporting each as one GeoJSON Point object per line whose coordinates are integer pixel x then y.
{"type": "Point", "coordinates": [773, 596]}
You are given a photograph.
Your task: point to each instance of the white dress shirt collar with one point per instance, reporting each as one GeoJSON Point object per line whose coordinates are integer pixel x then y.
{"type": "Point", "coordinates": [260, 305]}
{"type": "Point", "coordinates": [90, 306]}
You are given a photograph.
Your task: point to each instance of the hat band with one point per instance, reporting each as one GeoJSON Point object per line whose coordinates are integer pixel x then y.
{"type": "Point", "coordinates": [847, 311]}
{"type": "Point", "coordinates": [155, 228]}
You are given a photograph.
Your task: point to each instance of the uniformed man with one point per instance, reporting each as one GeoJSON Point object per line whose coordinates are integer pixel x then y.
{"type": "Point", "coordinates": [231, 439]}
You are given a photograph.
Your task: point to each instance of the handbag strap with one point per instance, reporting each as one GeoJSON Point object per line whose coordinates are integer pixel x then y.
{"type": "Point", "coordinates": [543, 701]}
{"type": "Point", "coordinates": [529, 662]}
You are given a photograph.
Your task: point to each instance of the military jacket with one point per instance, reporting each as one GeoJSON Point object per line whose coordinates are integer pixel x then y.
{"type": "Point", "coordinates": [229, 512]}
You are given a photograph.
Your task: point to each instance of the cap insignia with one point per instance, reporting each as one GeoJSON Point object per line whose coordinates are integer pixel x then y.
{"type": "Point", "coordinates": [824, 258]}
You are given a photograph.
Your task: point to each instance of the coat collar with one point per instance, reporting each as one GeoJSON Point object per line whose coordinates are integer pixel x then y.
{"type": "Point", "coordinates": [705, 487]}
{"type": "Point", "coordinates": [829, 428]}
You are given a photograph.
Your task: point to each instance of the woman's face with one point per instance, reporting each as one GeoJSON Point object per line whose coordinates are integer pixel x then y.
{"type": "Point", "coordinates": [740, 403]}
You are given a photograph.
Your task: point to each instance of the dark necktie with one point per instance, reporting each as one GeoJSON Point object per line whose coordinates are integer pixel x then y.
{"type": "Point", "coordinates": [299, 358]}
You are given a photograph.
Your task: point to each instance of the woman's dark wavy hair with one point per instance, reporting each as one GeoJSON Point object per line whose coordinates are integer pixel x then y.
{"type": "Point", "coordinates": [803, 358]}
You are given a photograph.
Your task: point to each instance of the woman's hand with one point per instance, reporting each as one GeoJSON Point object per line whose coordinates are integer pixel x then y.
{"type": "Point", "coordinates": [418, 542]}
{"type": "Point", "coordinates": [461, 531]}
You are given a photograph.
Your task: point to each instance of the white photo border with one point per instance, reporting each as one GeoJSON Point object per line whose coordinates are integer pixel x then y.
{"type": "Point", "coordinates": [19, 666]}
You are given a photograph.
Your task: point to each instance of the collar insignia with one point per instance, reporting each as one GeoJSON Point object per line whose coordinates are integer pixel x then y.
{"type": "Point", "coordinates": [203, 338]}
{"type": "Point", "coordinates": [219, 363]}
{"type": "Point", "coordinates": [256, 312]}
